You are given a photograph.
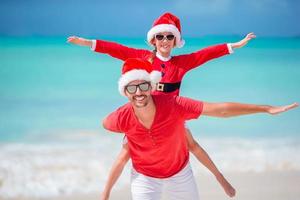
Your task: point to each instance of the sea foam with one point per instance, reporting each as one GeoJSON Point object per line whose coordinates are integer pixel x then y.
{"type": "Point", "coordinates": [66, 168]}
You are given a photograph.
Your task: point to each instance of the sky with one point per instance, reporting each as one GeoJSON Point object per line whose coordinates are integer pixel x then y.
{"type": "Point", "coordinates": [133, 18]}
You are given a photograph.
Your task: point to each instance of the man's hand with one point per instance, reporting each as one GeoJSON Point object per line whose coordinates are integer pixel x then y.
{"type": "Point", "coordinates": [274, 110]}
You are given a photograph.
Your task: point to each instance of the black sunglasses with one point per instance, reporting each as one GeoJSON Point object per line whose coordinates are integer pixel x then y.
{"type": "Point", "coordinates": [162, 37]}
{"type": "Point", "coordinates": [131, 89]}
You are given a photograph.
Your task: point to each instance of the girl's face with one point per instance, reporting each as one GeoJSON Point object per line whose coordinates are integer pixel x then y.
{"type": "Point", "coordinates": [164, 42]}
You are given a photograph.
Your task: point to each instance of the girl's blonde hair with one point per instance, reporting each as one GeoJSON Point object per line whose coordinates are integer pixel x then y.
{"type": "Point", "coordinates": [152, 56]}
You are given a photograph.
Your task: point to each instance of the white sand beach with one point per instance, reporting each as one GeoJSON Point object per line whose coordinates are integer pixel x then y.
{"type": "Point", "coordinates": [272, 185]}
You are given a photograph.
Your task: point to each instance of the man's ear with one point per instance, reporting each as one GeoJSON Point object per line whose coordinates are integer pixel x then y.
{"type": "Point", "coordinates": [152, 42]}
{"type": "Point", "coordinates": [104, 123]}
{"type": "Point", "coordinates": [125, 92]}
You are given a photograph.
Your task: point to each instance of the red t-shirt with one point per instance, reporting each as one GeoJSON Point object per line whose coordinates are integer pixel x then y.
{"type": "Point", "coordinates": [174, 69]}
{"type": "Point", "coordinates": [160, 151]}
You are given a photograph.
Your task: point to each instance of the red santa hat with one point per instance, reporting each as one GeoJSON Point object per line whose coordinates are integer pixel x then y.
{"type": "Point", "coordinates": [138, 69]}
{"type": "Point", "coordinates": [166, 23]}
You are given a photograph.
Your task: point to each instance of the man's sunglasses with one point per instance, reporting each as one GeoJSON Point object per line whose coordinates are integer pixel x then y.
{"type": "Point", "coordinates": [162, 37]}
{"type": "Point", "coordinates": [131, 89]}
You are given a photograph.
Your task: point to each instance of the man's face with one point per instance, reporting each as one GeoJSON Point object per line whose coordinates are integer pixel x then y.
{"type": "Point", "coordinates": [138, 92]}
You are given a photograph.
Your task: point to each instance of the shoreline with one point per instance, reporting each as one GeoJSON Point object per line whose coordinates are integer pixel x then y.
{"type": "Point", "coordinates": [267, 185]}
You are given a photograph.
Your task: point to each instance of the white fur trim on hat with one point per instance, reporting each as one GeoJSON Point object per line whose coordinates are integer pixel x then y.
{"type": "Point", "coordinates": [155, 76]}
{"type": "Point", "coordinates": [138, 74]}
{"type": "Point", "coordinates": [166, 28]}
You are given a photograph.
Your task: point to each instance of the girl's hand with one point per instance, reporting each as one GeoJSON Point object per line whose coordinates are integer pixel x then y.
{"type": "Point", "coordinates": [230, 191]}
{"type": "Point", "coordinates": [79, 41]}
{"type": "Point", "coordinates": [244, 41]}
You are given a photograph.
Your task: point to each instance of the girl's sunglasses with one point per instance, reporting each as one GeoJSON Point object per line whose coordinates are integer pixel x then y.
{"type": "Point", "coordinates": [162, 37]}
{"type": "Point", "coordinates": [131, 89]}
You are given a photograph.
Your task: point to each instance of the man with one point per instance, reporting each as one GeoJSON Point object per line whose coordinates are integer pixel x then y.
{"type": "Point", "coordinates": [155, 131]}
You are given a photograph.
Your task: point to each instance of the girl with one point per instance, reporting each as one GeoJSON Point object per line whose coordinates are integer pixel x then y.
{"type": "Point", "coordinates": [165, 35]}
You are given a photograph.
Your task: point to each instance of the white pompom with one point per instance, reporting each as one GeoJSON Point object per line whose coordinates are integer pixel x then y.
{"type": "Point", "coordinates": [155, 76]}
{"type": "Point", "coordinates": [181, 43]}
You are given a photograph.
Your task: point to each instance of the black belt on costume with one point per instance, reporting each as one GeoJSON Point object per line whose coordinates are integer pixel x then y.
{"type": "Point", "coordinates": [168, 87]}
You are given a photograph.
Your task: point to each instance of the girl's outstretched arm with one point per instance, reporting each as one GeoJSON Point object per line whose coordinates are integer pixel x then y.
{"type": "Point", "coordinates": [244, 41]}
{"type": "Point", "coordinates": [193, 60]}
{"type": "Point", "coordinates": [204, 158]}
{"type": "Point", "coordinates": [115, 171]}
{"type": "Point", "coordinates": [113, 49]}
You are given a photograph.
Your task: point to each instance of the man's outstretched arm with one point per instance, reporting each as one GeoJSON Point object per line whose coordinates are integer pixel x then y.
{"type": "Point", "coordinates": [236, 109]}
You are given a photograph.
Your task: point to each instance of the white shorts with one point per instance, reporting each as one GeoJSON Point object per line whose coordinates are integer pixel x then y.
{"type": "Point", "coordinates": [181, 186]}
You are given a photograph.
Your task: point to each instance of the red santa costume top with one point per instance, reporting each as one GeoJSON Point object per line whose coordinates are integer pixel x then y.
{"type": "Point", "coordinates": [173, 68]}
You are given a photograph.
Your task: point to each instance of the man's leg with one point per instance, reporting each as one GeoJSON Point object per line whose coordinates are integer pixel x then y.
{"type": "Point", "coordinates": [144, 187]}
{"type": "Point", "coordinates": [182, 186]}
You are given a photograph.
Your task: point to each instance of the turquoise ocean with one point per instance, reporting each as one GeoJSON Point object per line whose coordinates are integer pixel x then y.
{"type": "Point", "coordinates": [53, 96]}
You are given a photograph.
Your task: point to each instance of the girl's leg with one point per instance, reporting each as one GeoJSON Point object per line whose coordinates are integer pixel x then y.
{"type": "Point", "coordinates": [182, 186]}
{"type": "Point", "coordinates": [144, 187]}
